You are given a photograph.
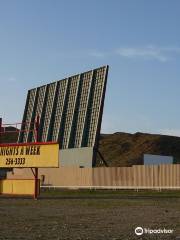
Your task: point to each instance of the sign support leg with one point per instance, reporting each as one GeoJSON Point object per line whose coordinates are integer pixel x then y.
{"type": "Point", "coordinates": [36, 169]}
{"type": "Point", "coordinates": [0, 128]}
{"type": "Point", "coordinates": [36, 184]}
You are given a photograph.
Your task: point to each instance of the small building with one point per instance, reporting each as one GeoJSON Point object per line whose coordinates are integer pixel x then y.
{"type": "Point", "coordinates": [150, 159]}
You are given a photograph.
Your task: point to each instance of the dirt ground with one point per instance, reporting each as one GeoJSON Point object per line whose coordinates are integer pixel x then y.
{"type": "Point", "coordinates": [89, 215]}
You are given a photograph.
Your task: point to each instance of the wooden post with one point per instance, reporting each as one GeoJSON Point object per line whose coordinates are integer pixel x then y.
{"type": "Point", "coordinates": [36, 169]}
{"type": "Point", "coordinates": [36, 184]}
{"type": "Point", "coordinates": [0, 129]}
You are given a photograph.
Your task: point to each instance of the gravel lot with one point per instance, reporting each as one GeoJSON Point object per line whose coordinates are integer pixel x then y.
{"type": "Point", "coordinates": [89, 216]}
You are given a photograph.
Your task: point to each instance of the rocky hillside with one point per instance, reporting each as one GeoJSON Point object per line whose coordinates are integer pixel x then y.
{"type": "Point", "coordinates": [124, 149]}
{"type": "Point", "coordinates": [10, 135]}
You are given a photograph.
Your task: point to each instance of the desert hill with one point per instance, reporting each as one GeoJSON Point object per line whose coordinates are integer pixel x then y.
{"type": "Point", "coordinates": [124, 149]}
{"type": "Point", "coordinates": [10, 135]}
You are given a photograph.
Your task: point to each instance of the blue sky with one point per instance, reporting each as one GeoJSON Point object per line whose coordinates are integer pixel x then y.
{"type": "Point", "coordinates": [42, 41]}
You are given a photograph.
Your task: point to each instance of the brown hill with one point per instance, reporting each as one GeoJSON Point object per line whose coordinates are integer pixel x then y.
{"type": "Point", "coordinates": [9, 135]}
{"type": "Point", "coordinates": [124, 149]}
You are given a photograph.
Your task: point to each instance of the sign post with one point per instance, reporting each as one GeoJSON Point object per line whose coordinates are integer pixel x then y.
{"type": "Point", "coordinates": [28, 155]}
{"type": "Point", "coordinates": [36, 184]}
{"type": "Point", "coordinates": [36, 169]}
{"type": "Point", "coordinates": [0, 128]}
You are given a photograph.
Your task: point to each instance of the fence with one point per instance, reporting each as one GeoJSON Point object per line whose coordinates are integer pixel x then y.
{"type": "Point", "coordinates": [137, 176]}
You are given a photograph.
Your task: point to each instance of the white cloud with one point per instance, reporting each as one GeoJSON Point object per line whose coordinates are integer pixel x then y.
{"type": "Point", "coordinates": [149, 52]}
{"type": "Point", "coordinates": [171, 132]}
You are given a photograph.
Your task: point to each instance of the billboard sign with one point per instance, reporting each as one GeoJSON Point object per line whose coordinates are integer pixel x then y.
{"type": "Point", "coordinates": [29, 155]}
